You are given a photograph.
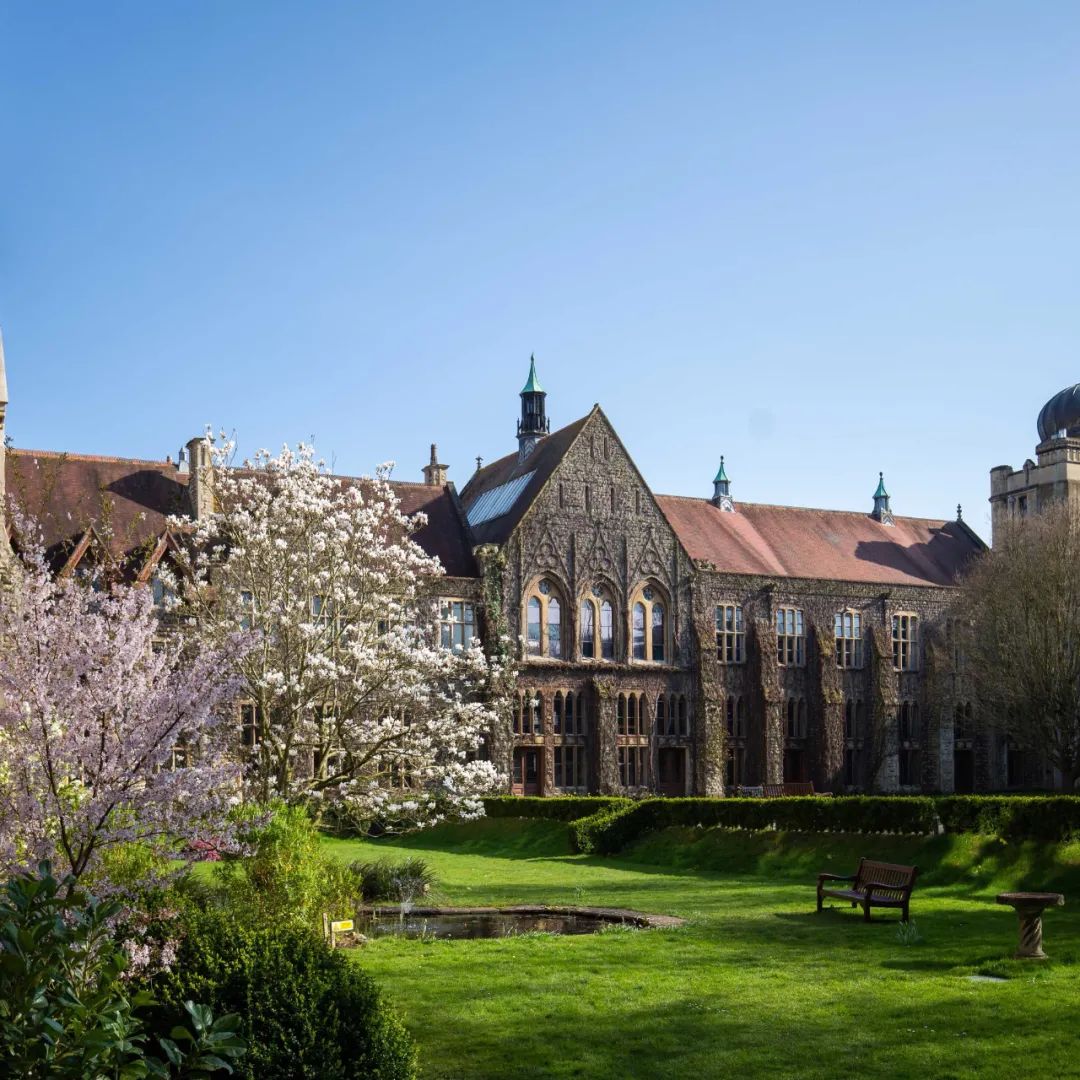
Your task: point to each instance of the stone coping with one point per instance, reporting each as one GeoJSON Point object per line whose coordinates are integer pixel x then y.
{"type": "Point", "coordinates": [606, 914]}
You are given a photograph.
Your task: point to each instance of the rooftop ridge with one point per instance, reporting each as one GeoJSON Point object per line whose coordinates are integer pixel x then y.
{"type": "Point", "coordinates": [72, 456]}
{"type": "Point", "coordinates": [809, 509]}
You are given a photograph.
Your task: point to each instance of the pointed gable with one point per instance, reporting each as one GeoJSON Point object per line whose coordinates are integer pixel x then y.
{"type": "Point", "coordinates": [497, 496]}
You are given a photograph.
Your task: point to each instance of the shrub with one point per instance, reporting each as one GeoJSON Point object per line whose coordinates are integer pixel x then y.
{"type": "Point", "coordinates": [1046, 818]}
{"type": "Point", "coordinates": [66, 1011]}
{"type": "Point", "coordinates": [306, 1009]}
{"type": "Point", "coordinates": [616, 827]}
{"type": "Point", "coordinates": [557, 808]}
{"type": "Point", "coordinates": [393, 880]}
{"type": "Point", "coordinates": [288, 878]}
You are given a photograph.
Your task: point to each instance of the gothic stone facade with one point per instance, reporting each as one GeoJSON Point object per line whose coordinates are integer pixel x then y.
{"type": "Point", "coordinates": [687, 646]}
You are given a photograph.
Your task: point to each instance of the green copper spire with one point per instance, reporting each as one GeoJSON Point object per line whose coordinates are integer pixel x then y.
{"type": "Point", "coordinates": [533, 385]}
{"type": "Point", "coordinates": [721, 476]}
{"type": "Point", "coordinates": [881, 493]}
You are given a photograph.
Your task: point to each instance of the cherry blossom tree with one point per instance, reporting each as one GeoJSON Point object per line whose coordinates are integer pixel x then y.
{"type": "Point", "coordinates": [97, 708]}
{"type": "Point", "coordinates": [350, 700]}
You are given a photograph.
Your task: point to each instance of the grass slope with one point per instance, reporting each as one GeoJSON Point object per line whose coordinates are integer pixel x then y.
{"type": "Point", "coordinates": [757, 984]}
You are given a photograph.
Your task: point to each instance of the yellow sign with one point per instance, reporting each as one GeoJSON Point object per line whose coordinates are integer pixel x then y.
{"type": "Point", "coordinates": [341, 926]}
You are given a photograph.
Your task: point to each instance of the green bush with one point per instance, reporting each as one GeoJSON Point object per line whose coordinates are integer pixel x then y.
{"type": "Point", "coordinates": [1048, 818]}
{"type": "Point", "coordinates": [614, 828]}
{"type": "Point", "coordinates": [557, 808]}
{"type": "Point", "coordinates": [393, 879]}
{"type": "Point", "coordinates": [307, 1010]}
{"type": "Point", "coordinates": [289, 877]}
{"type": "Point", "coordinates": [66, 1010]}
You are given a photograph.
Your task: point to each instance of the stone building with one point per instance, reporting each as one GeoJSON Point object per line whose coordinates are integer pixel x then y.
{"type": "Point", "coordinates": [1053, 476]}
{"type": "Point", "coordinates": [680, 645]}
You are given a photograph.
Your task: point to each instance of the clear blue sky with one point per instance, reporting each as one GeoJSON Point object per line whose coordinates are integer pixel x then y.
{"type": "Point", "coordinates": [821, 239]}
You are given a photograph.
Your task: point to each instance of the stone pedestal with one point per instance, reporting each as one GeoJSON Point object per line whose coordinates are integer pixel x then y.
{"type": "Point", "coordinates": [1029, 907]}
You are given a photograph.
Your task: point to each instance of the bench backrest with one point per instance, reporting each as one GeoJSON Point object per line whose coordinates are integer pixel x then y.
{"type": "Point", "coordinates": [896, 881]}
{"type": "Point", "coordinates": [780, 791]}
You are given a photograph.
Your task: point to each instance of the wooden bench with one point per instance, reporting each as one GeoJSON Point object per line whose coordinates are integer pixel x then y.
{"type": "Point", "coordinates": [874, 884]}
{"type": "Point", "coordinates": [789, 790]}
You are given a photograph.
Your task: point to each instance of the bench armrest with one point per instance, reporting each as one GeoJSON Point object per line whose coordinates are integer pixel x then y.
{"type": "Point", "coordinates": [836, 877]}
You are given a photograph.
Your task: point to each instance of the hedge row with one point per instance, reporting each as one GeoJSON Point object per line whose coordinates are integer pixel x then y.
{"type": "Point", "coordinates": [614, 828]}
{"type": "Point", "coordinates": [607, 824]}
{"type": "Point", "coordinates": [556, 808]}
{"type": "Point", "coordinates": [1012, 817]}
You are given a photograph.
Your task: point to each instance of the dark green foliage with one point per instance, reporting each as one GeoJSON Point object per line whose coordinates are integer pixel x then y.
{"type": "Point", "coordinates": [1012, 817]}
{"type": "Point", "coordinates": [613, 829]}
{"type": "Point", "coordinates": [393, 879]}
{"type": "Point", "coordinates": [558, 808]}
{"type": "Point", "coordinates": [66, 1012]}
{"type": "Point", "coordinates": [307, 1010]}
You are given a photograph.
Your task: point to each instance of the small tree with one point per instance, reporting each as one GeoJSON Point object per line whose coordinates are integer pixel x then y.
{"type": "Point", "coordinates": [352, 699]}
{"type": "Point", "coordinates": [96, 707]}
{"type": "Point", "coordinates": [1021, 607]}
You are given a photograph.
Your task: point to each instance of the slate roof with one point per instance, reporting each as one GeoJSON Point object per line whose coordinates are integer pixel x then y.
{"type": "Point", "coordinates": [68, 493]}
{"type": "Point", "coordinates": [542, 462]}
{"type": "Point", "coordinates": [840, 545]}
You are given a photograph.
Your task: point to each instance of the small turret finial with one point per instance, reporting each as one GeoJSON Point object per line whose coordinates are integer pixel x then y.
{"type": "Point", "coordinates": [722, 488]}
{"type": "Point", "coordinates": [959, 512]}
{"type": "Point", "coordinates": [882, 511]}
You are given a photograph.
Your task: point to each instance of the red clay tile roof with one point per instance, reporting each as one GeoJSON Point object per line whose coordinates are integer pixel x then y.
{"type": "Point", "coordinates": [841, 545]}
{"type": "Point", "coordinates": [542, 462]}
{"type": "Point", "coordinates": [128, 500]}
{"type": "Point", "coordinates": [445, 534]}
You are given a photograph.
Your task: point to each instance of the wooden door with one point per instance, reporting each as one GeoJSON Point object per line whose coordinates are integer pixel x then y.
{"type": "Point", "coordinates": [526, 776]}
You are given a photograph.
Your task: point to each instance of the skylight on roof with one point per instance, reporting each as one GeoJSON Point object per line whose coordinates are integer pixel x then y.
{"type": "Point", "coordinates": [498, 501]}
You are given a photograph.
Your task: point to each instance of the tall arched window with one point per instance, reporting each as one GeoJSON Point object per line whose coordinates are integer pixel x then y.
{"type": "Point", "coordinates": [649, 625]}
{"type": "Point", "coordinates": [588, 630]}
{"type": "Point", "coordinates": [557, 713]}
{"type": "Point", "coordinates": [597, 626]}
{"type": "Point", "coordinates": [620, 714]}
{"type": "Point", "coordinates": [544, 621]}
{"type": "Point", "coordinates": [631, 715]}
{"type": "Point", "coordinates": [607, 630]}
{"type": "Point", "coordinates": [661, 715]}
{"type": "Point", "coordinates": [637, 631]}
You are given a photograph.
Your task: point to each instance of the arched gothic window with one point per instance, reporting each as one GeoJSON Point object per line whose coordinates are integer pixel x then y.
{"type": "Point", "coordinates": [544, 621]}
{"type": "Point", "coordinates": [597, 616]}
{"type": "Point", "coordinates": [649, 626]}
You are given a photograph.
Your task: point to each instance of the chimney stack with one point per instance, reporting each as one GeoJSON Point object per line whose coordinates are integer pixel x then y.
{"type": "Point", "coordinates": [201, 484]}
{"type": "Point", "coordinates": [434, 473]}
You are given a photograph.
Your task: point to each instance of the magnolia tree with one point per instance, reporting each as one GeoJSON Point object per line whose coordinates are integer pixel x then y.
{"type": "Point", "coordinates": [95, 711]}
{"type": "Point", "coordinates": [348, 698]}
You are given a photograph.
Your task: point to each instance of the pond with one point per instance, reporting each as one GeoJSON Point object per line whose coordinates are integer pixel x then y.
{"type": "Point", "coordinates": [463, 923]}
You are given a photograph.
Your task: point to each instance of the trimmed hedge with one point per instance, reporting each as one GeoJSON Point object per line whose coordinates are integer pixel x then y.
{"type": "Point", "coordinates": [553, 808]}
{"type": "Point", "coordinates": [1012, 817]}
{"type": "Point", "coordinates": [604, 825]}
{"type": "Point", "coordinates": [614, 828]}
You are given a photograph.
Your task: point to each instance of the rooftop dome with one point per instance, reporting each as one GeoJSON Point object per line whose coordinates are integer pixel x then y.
{"type": "Point", "coordinates": [1061, 413]}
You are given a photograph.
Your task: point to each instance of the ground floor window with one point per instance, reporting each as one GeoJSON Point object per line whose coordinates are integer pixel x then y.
{"type": "Point", "coordinates": [632, 766]}
{"type": "Point", "coordinates": [250, 724]}
{"type": "Point", "coordinates": [736, 771]}
{"type": "Point", "coordinates": [909, 766]}
{"type": "Point", "coordinates": [570, 768]}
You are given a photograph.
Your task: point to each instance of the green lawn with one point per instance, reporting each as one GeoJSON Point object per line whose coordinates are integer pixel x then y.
{"type": "Point", "coordinates": [756, 984]}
